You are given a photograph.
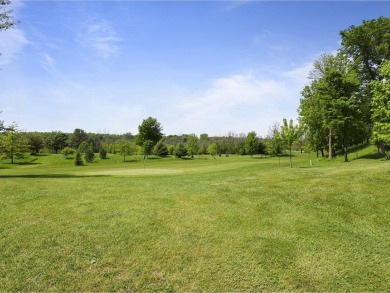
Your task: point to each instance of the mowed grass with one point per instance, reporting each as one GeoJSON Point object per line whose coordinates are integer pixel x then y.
{"type": "Point", "coordinates": [224, 224]}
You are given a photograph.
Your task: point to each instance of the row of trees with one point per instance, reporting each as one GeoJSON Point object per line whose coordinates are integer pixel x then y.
{"type": "Point", "coordinates": [348, 99]}
{"type": "Point", "coordinates": [150, 140]}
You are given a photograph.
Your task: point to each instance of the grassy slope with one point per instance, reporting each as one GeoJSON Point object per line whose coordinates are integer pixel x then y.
{"type": "Point", "coordinates": [229, 224]}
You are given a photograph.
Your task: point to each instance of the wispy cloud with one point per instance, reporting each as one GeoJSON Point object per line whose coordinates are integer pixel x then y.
{"type": "Point", "coordinates": [271, 41]}
{"type": "Point", "coordinates": [12, 43]}
{"type": "Point", "coordinates": [100, 35]}
{"type": "Point", "coordinates": [49, 64]}
{"type": "Point", "coordinates": [241, 102]}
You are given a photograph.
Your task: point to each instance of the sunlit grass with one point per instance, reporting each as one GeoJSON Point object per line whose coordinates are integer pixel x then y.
{"type": "Point", "coordinates": [225, 224]}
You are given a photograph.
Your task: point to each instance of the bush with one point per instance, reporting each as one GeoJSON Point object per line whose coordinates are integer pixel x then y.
{"type": "Point", "coordinates": [161, 150]}
{"type": "Point", "coordinates": [68, 152]}
{"type": "Point", "coordinates": [89, 155]}
{"type": "Point", "coordinates": [180, 150]}
{"type": "Point", "coordinates": [103, 154]}
{"type": "Point", "coordinates": [78, 161]}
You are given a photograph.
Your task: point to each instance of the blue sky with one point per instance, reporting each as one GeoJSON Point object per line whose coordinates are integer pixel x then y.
{"type": "Point", "coordinates": [197, 66]}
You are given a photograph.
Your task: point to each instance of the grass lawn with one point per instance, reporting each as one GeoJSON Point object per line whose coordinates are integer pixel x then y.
{"type": "Point", "coordinates": [224, 224]}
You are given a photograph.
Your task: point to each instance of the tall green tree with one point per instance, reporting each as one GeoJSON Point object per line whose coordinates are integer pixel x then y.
{"type": "Point", "coordinates": [77, 137]}
{"type": "Point", "coordinates": [343, 113]}
{"type": "Point", "coordinates": [149, 134]}
{"type": "Point", "coordinates": [368, 46]}
{"type": "Point", "coordinates": [57, 141]}
{"type": "Point", "coordinates": [381, 108]}
{"type": "Point", "coordinates": [192, 145]}
{"type": "Point", "coordinates": [12, 144]}
{"type": "Point", "coordinates": [289, 134]}
{"type": "Point", "coordinates": [251, 143]}
{"type": "Point", "coordinates": [35, 142]}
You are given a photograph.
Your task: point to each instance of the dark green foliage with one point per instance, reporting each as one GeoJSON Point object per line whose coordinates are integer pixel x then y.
{"type": "Point", "coordinates": [78, 161]}
{"type": "Point", "coordinates": [180, 150]}
{"type": "Point", "coordinates": [89, 155]}
{"type": "Point", "coordinates": [12, 144]}
{"type": "Point", "coordinates": [56, 141]}
{"type": "Point", "coordinates": [149, 130]}
{"type": "Point", "coordinates": [368, 45]}
{"type": "Point", "coordinates": [77, 138]}
{"type": "Point", "coordinates": [84, 147]}
{"type": "Point", "coordinates": [103, 154]}
{"type": "Point", "coordinates": [35, 142]}
{"type": "Point", "coordinates": [161, 149]}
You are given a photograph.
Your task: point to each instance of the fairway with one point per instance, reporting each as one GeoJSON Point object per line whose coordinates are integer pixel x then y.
{"type": "Point", "coordinates": [225, 224]}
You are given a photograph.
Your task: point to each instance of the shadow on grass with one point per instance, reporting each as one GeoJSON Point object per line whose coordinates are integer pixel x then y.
{"type": "Point", "coordinates": [52, 176]}
{"type": "Point", "coordinates": [372, 156]}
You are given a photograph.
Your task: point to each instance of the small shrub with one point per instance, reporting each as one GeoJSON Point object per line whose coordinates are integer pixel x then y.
{"type": "Point", "coordinates": [180, 150]}
{"type": "Point", "coordinates": [89, 155]}
{"type": "Point", "coordinates": [68, 152]}
{"type": "Point", "coordinates": [78, 161]}
{"type": "Point", "coordinates": [103, 154]}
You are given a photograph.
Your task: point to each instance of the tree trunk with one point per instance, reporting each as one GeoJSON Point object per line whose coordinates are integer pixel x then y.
{"type": "Point", "coordinates": [290, 158]}
{"type": "Point", "coordinates": [322, 152]}
{"type": "Point", "coordinates": [317, 153]}
{"type": "Point", "coordinates": [330, 144]}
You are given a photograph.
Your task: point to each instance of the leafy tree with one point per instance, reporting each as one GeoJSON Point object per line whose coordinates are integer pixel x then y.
{"type": "Point", "coordinates": [343, 114]}
{"type": "Point", "coordinates": [12, 144]}
{"type": "Point", "coordinates": [290, 133]}
{"type": "Point", "coordinates": [84, 147]}
{"type": "Point", "coordinates": [275, 143]}
{"type": "Point", "coordinates": [171, 149]}
{"type": "Point", "coordinates": [78, 137]}
{"type": "Point", "coordinates": [381, 108]}
{"type": "Point", "coordinates": [57, 141]}
{"type": "Point", "coordinates": [161, 149]}
{"type": "Point", "coordinates": [180, 150]}
{"type": "Point", "coordinates": [192, 145]}
{"type": "Point", "coordinates": [312, 115]}
{"type": "Point", "coordinates": [368, 46]}
{"type": "Point", "coordinates": [78, 161]}
{"type": "Point", "coordinates": [6, 19]}
{"type": "Point", "coordinates": [89, 155]}
{"type": "Point", "coordinates": [251, 143]}
{"type": "Point", "coordinates": [35, 142]}
{"type": "Point", "coordinates": [126, 148]}
{"type": "Point", "coordinates": [149, 133]}
{"type": "Point", "coordinates": [68, 152]}
{"type": "Point", "coordinates": [213, 149]}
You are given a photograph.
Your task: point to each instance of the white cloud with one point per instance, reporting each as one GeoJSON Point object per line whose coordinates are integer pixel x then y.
{"type": "Point", "coordinates": [12, 43]}
{"type": "Point", "coordinates": [240, 103]}
{"type": "Point", "coordinates": [49, 64]}
{"type": "Point", "coordinates": [101, 36]}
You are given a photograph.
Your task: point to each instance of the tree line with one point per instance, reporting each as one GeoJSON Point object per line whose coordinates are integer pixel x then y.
{"type": "Point", "coordinates": [348, 99]}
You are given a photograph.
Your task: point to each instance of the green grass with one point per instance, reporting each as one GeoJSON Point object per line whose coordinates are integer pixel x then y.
{"type": "Point", "coordinates": [225, 224]}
